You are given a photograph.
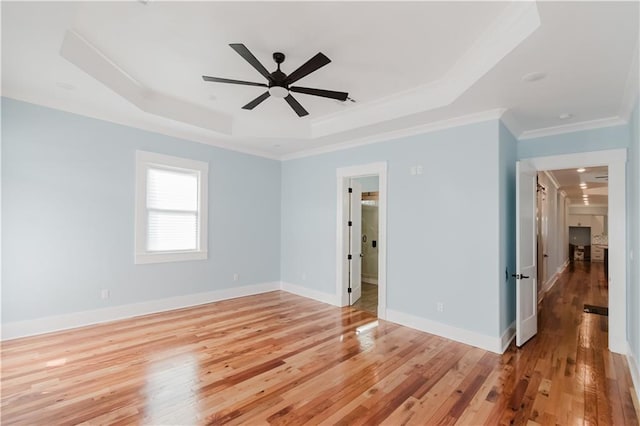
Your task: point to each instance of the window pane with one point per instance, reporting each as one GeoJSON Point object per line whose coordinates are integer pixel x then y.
{"type": "Point", "coordinates": [172, 190]}
{"type": "Point", "coordinates": [172, 231]}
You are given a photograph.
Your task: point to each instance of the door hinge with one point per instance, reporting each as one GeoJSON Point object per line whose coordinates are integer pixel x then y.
{"type": "Point", "coordinates": [350, 190]}
{"type": "Point", "coordinates": [350, 223]}
{"type": "Point", "coordinates": [349, 257]}
{"type": "Point", "coordinates": [349, 290]}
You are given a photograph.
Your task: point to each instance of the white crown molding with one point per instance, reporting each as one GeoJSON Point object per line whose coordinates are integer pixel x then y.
{"type": "Point", "coordinates": [552, 178]}
{"type": "Point", "coordinates": [573, 127]}
{"type": "Point", "coordinates": [494, 114]}
{"type": "Point", "coordinates": [631, 88]}
{"type": "Point", "coordinates": [511, 123]}
{"type": "Point", "coordinates": [81, 53]}
{"type": "Point", "coordinates": [517, 22]}
{"type": "Point", "coordinates": [126, 120]}
{"type": "Point", "coordinates": [512, 27]}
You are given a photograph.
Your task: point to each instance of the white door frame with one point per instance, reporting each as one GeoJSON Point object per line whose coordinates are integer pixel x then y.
{"type": "Point", "coordinates": [342, 241]}
{"type": "Point", "coordinates": [615, 160]}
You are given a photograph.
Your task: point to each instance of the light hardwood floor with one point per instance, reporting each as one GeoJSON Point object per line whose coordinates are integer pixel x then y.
{"type": "Point", "coordinates": [277, 358]}
{"type": "Point", "coordinates": [369, 299]}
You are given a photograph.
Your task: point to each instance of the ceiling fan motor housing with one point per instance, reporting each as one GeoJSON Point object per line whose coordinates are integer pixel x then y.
{"type": "Point", "coordinates": [277, 87]}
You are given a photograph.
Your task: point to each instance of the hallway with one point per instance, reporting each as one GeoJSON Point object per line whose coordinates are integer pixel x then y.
{"type": "Point", "coordinates": [566, 375]}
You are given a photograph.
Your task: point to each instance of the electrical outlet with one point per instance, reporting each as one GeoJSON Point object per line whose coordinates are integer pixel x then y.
{"type": "Point", "coordinates": [413, 170]}
{"type": "Point", "coordinates": [236, 276]}
{"type": "Point", "coordinates": [440, 307]}
{"type": "Point", "coordinates": [104, 293]}
{"type": "Point", "coordinates": [419, 170]}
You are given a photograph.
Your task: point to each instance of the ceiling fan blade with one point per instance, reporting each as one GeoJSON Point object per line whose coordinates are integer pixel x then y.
{"type": "Point", "coordinates": [227, 80]}
{"type": "Point", "coordinates": [296, 106]}
{"type": "Point", "coordinates": [257, 101]}
{"type": "Point", "coordinates": [248, 56]}
{"type": "Point", "coordinates": [318, 61]}
{"type": "Point", "coordinates": [341, 96]}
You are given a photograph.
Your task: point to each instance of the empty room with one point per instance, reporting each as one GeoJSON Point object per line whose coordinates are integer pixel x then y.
{"type": "Point", "coordinates": [400, 213]}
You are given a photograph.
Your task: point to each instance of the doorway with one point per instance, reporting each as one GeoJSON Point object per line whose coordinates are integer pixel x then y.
{"type": "Point", "coordinates": [615, 160]}
{"type": "Point", "coordinates": [368, 238]}
{"type": "Point", "coordinates": [348, 248]}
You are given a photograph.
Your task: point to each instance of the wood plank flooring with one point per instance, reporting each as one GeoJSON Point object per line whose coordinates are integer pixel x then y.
{"type": "Point", "coordinates": [369, 299]}
{"type": "Point", "coordinates": [281, 359]}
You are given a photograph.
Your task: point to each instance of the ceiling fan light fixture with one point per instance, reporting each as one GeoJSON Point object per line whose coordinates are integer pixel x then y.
{"type": "Point", "coordinates": [278, 92]}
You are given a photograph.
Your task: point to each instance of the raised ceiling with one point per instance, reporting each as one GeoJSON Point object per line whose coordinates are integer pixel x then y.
{"type": "Point", "coordinates": [595, 182]}
{"type": "Point", "coordinates": [408, 65]}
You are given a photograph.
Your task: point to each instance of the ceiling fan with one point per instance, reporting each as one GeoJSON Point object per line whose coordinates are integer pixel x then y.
{"type": "Point", "coordinates": [278, 83]}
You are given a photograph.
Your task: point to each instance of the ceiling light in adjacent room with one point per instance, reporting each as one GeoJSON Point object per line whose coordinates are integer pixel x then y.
{"type": "Point", "coordinates": [581, 170]}
{"type": "Point", "coordinates": [533, 76]}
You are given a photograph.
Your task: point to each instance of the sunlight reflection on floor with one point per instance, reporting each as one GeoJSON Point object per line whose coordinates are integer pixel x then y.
{"type": "Point", "coordinates": [171, 391]}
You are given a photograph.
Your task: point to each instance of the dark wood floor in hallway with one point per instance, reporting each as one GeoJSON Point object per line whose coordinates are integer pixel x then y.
{"type": "Point", "coordinates": [277, 358]}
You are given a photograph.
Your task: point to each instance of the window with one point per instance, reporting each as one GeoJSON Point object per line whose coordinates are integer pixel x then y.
{"type": "Point", "coordinates": [171, 208]}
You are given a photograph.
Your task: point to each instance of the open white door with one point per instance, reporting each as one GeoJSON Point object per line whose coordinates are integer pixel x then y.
{"type": "Point", "coordinates": [526, 289]}
{"type": "Point", "coordinates": [356, 238]}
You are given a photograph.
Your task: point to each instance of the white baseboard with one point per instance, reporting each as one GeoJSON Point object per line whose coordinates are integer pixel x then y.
{"type": "Point", "coordinates": [562, 267]}
{"type": "Point", "coordinates": [26, 328]}
{"type": "Point", "coordinates": [370, 280]}
{"type": "Point", "coordinates": [482, 341]}
{"type": "Point", "coordinates": [552, 281]}
{"type": "Point", "coordinates": [320, 296]}
{"type": "Point", "coordinates": [634, 368]}
{"type": "Point", "coordinates": [508, 335]}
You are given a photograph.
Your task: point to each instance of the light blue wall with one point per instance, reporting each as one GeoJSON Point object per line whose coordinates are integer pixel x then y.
{"type": "Point", "coordinates": [568, 143]}
{"type": "Point", "coordinates": [633, 223]}
{"type": "Point", "coordinates": [443, 227]}
{"type": "Point", "coordinates": [68, 200]}
{"type": "Point", "coordinates": [68, 216]}
{"type": "Point", "coordinates": [508, 147]}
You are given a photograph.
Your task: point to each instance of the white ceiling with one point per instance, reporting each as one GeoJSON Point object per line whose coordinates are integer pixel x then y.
{"type": "Point", "coordinates": [595, 178]}
{"type": "Point", "coordinates": [409, 65]}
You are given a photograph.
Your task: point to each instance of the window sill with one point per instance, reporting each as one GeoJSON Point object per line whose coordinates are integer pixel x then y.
{"type": "Point", "coordinates": [163, 257]}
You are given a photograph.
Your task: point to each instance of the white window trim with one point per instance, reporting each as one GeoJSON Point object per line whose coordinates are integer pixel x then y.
{"type": "Point", "coordinates": [143, 161]}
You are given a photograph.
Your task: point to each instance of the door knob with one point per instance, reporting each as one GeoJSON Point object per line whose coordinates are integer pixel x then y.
{"type": "Point", "coordinates": [361, 254]}
{"type": "Point", "coordinates": [520, 277]}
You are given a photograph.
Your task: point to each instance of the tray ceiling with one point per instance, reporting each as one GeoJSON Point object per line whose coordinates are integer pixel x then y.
{"type": "Point", "coordinates": [407, 64]}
